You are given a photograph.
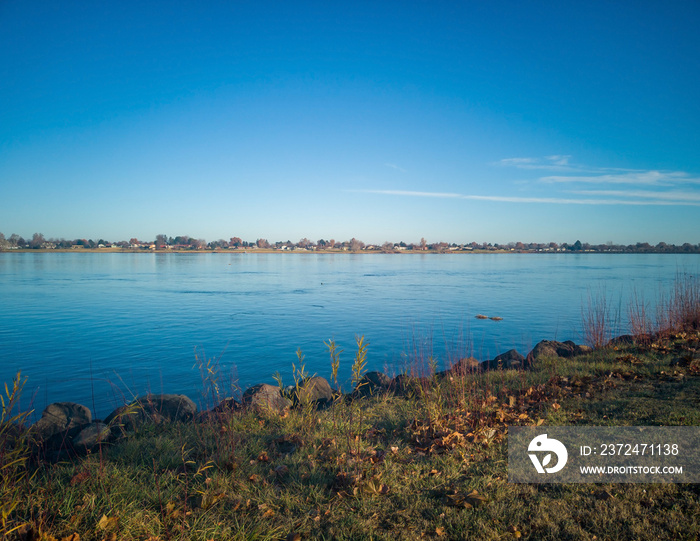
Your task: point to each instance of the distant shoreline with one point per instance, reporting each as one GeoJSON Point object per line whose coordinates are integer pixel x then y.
{"type": "Point", "coordinates": [330, 252]}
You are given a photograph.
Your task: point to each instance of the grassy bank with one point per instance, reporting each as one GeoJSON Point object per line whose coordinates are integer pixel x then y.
{"type": "Point", "coordinates": [431, 464]}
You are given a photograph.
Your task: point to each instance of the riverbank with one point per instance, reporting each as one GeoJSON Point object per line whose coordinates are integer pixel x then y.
{"type": "Point", "coordinates": [429, 462]}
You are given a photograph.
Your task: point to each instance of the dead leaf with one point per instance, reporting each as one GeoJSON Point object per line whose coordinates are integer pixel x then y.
{"type": "Point", "coordinates": [72, 537]}
{"type": "Point", "coordinates": [79, 478]}
{"type": "Point", "coordinates": [108, 523]}
{"type": "Point", "coordinates": [439, 531]}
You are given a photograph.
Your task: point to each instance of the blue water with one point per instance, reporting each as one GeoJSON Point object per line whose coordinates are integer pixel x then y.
{"type": "Point", "coordinates": [100, 328]}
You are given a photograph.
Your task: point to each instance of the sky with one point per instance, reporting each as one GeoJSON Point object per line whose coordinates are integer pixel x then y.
{"type": "Point", "coordinates": [498, 121]}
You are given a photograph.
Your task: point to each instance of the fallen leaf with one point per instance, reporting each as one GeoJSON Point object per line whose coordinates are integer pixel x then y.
{"type": "Point", "coordinates": [79, 478]}
{"type": "Point", "coordinates": [440, 531]}
{"type": "Point", "coordinates": [72, 537]}
{"type": "Point", "coordinates": [107, 523]}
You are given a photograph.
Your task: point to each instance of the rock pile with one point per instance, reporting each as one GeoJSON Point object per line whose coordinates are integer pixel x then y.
{"type": "Point", "coordinates": [67, 429]}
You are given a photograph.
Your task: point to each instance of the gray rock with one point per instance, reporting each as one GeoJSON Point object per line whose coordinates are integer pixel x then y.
{"type": "Point", "coordinates": [264, 397]}
{"type": "Point", "coordinates": [63, 419]}
{"type": "Point", "coordinates": [467, 365]}
{"type": "Point", "coordinates": [152, 408]}
{"type": "Point", "coordinates": [552, 348]}
{"type": "Point", "coordinates": [91, 436]}
{"type": "Point", "coordinates": [316, 390]}
{"type": "Point", "coordinates": [371, 384]}
{"type": "Point", "coordinates": [408, 386]}
{"type": "Point", "coordinates": [509, 360]}
{"type": "Point", "coordinates": [221, 411]}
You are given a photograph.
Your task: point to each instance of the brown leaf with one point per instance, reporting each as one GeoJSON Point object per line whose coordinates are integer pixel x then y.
{"type": "Point", "coordinates": [439, 531]}
{"type": "Point", "coordinates": [108, 523]}
{"type": "Point", "coordinates": [263, 457]}
{"type": "Point", "coordinates": [79, 478]}
{"type": "Point", "coordinates": [72, 537]}
{"type": "Point", "coordinates": [269, 513]}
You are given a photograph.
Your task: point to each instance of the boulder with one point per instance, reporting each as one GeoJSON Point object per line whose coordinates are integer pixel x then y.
{"type": "Point", "coordinates": [226, 407]}
{"type": "Point", "coordinates": [155, 408]}
{"type": "Point", "coordinates": [467, 365]}
{"type": "Point", "coordinates": [509, 360]}
{"type": "Point", "coordinates": [91, 436]}
{"type": "Point", "coordinates": [372, 383]}
{"type": "Point", "coordinates": [552, 348]}
{"type": "Point", "coordinates": [408, 386]}
{"type": "Point", "coordinates": [61, 419]}
{"type": "Point", "coordinates": [314, 390]}
{"type": "Point", "coordinates": [264, 397]}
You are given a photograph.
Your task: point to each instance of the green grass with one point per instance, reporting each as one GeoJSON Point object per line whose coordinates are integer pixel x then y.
{"type": "Point", "coordinates": [432, 465]}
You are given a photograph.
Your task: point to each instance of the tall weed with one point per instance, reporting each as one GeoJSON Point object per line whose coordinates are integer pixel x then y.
{"type": "Point", "coordinates": [14, 453]}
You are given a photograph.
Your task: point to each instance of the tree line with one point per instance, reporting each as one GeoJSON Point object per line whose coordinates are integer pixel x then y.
{"type": "Point", "coordinates": [184, 242]}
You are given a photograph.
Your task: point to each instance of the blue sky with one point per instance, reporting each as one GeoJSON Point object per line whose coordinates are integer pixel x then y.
{"type": "Point", "coordinates": [454, 121]}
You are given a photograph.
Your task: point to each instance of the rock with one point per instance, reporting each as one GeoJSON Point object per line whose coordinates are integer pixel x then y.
{"type": "Point", "coordinates": [372, 383]}
{"type": "Point", "coordinates": [264, 397]}
{"type": "Point", "coordinates": [552, 348]}
{"type": "Point", "coordinates": [225, 408]}
{"type": "Point", "coordinates": [91, 436]}
{"type": "Point", "coordinates": [467, 365]}
{"type": "Point", "coordinates": [155, 408]}
{"type": "Point", "coordinates": [63, 419]}
{"type": "Point", "coordinates": [509, 360]}
{"type": "Point", "coordinates": [316, 390]}
{"type": "Point", "coordinates": [408, 386]}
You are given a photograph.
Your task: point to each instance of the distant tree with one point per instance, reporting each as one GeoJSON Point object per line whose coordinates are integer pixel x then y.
{"type": "Point", "coordinates": [577, 247]}
{"type": "Point", "coordinates": [356, 245]}
{"type": "Point", "coordinates": [37, 241]}
{"type": "Point", "coordinates": [3, 242]}
{"type": "Point", "coordinates": [388, 247]}
{"type": "Point", "coordinates": [423, 244]}
{"type": "Point", "coordinates": [161, 241]}
{"type": "Point", "coordinates": [331, 243]}
{"type": "Point", "coordinates": [262, 243]}
{"type": "Point", "coordinates": [236, 242]}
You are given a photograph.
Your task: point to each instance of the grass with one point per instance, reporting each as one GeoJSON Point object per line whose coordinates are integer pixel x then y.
{"type": "Point", "coordinates": [431, 464]}
{"type": "Point", "coordinates": [385, 467]}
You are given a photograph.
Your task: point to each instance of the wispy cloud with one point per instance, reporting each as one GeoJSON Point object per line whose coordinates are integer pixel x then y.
{"type": "Point", "coordinates": [669, 196]}
{"type": "Point", "coordinates": [634, 187]}
{"type": "Point", "coordinates": [519, 199]}
{"type": "Point", "coordinates": [394, 166]}
{"type": "Point", "coordinates": [641, 178]}
{"type": "Point", "coordinates": [555, 162]}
